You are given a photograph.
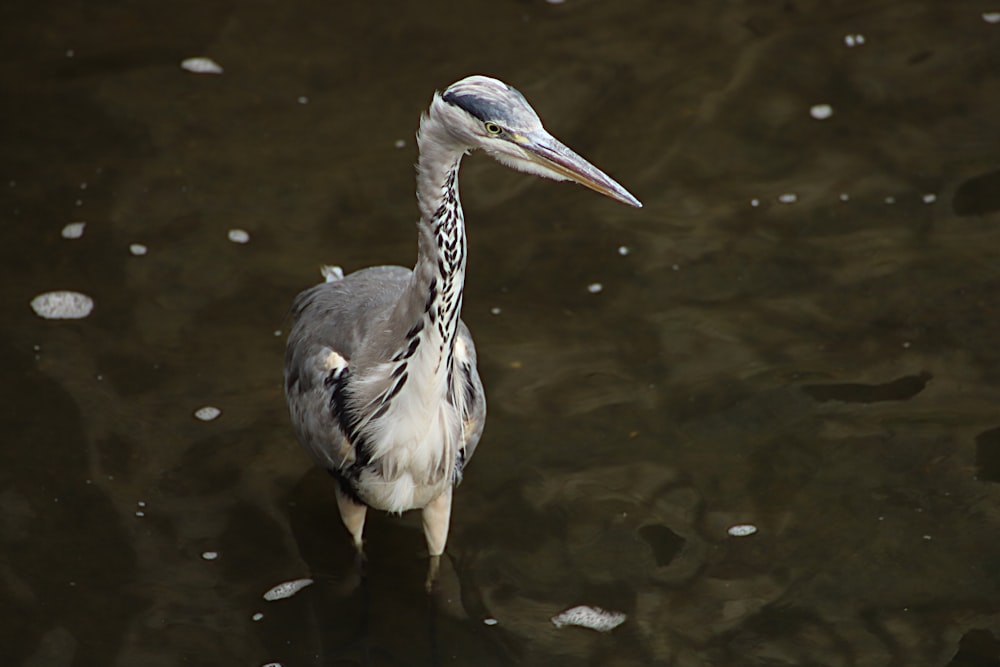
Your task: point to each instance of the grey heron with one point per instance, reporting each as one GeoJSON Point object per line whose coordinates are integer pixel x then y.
{"type": "Point", "coordinates": [380, 370]}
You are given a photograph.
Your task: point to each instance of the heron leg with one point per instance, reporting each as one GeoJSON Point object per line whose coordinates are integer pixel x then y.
{"type": "Point", "coordinates": [436, 519]}
{"type": "Point", "coordinates": [352, 513]}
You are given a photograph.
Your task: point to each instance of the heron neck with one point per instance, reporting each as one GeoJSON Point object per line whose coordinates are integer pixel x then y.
{"type": "Point", "coordinates": [439, 274]}
{"type": "Point", "coordinates": [434, 299]}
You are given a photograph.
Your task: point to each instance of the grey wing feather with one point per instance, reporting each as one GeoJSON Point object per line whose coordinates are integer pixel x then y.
{"type": "Point", "coordinates": [332, 320]}
{"type": "Point", "coordinates": [475, 396]}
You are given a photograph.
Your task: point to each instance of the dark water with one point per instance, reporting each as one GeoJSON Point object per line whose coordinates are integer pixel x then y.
{"type": "Point", "coordinates": [825, 369]}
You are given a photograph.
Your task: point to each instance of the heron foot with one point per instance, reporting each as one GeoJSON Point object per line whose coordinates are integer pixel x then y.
{"type": "Point", "coordinates": [433, 568]}
{"type": "Point", "coordinates": [360, 561]}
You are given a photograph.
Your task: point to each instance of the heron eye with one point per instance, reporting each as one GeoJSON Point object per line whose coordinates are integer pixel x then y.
{"type": "Point", "coordinates": [493, 128]}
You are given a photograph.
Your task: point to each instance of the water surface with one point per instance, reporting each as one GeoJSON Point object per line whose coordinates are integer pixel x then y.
{"type": "Point", "coordinates": [798, 332]}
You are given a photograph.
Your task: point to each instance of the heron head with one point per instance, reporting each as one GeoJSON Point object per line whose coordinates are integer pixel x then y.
{"type": "Point", "coordinates": [487, 114]}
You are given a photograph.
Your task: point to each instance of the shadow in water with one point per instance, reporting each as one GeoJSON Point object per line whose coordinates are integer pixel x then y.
{"type": "Point", "coordinates": [900, 389]}
{"type": "Point", "coordinates": [375, 613]}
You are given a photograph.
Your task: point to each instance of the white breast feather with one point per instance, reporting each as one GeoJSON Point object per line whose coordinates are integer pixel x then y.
{"type": "Point", "coordinates": [417, 438]}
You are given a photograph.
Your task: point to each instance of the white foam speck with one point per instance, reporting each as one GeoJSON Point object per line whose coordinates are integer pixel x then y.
{"type": "Point", "coordinates": [239, 236]}
{"type": "Point", "coordinates": [495, 311]}
{"type": "Point", "coordinates": [991, 17]}
{"type": "Point", "coordinates": [257, 616]}
{"type": "Point", "coordinates": [890, 200]}
{"type": "Point", "coordinates": [210, 555]}
{"type": "Point", "coordinates": [303, 99]}
{"type": "Point", "coordinates": [856, 39]}
{"type": "Point", "coordinates": [788, 198]}
{"type": "Point", "coordinates": [929, 198]}
{"type": "Point", "coordinates": [624, 250]}
{"type": "Point", "coordinates": [595, 288]}
{"type": "Point", "coordinates": [400, 143]}
{"type": "Point", "coordinates": [755, 202]}
{"type": "Point", "coordinates": [271, 664]}
{"type": "Point", "coordinates": [594, 618]}
{"type": "Point", "coordinates": [62, 305]}
{"type": "Point", "coordinates": [201, 65]}
{"type": "Point", "coordinates": [73, 230]}
{"type": "Point", "coordinates": [207, 413]}
{"type": "Point", "coordinates": [138, 249]}
{"type": "Point", "coordinates": [844, 196]}
{"type": "Point", "coordinates": [490, 621]}
{"type": "Point", "coordinates": [742, 530]}
{"type": "Point", "coordinates": [286, 589]}
{"type": "Point", "coordinates": [821, 111]}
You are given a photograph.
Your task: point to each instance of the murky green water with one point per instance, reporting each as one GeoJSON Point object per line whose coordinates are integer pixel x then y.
{"type": "Point", "coordinates": [799, 332]}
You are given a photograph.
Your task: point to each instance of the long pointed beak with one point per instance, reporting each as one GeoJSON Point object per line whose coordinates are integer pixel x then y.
{"type": "Point", "coordinates": [550, 153]}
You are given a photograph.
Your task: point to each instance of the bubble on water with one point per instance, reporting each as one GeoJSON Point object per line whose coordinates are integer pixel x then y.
{"type": "Point", "coordinates": [788, 198]}
{"type": "Point", "coordinates": [890, 200]}
{"type": "Point", "coordinates": [821, 111]}
{"type": "Point", "coordinates": [257, 616]}
{"type": "Point", "coordinates": [595, 288]}
{"type": "Point", "coordinates": [73, 230]}
{"type": "Point", "coordinates": [844, 196]}
{"type": "Point", "coordinates": [201, 65]}
{"type": "Point", "coordinates": [303, 99]}
{"type": "Point", "coordinates": [490, 621]}
{"type": "Point", "coordinates": [624, 250]}
{"type": "Point", "coordinates": [138, 249]}
{"type": "Point", "coordinates": [856, 39]}
{"type": "Point", "coordinates": [400, 143]}
{"type": "Point", "coordinates": [991, 17]}
{"type": "Point", "coordinates": [742, 530]}
{"type": "Point", "coordinates": [594, 618]}
{"type": "Point", "coordinates": [495, 310]}
{"type": "Point", "coordinates": [929, 198]}
{"type": "Point", "coordinates": [210, 555]}
{"type": "Point", "coordinates": [755, 202]}
{"type": "Point", "coordinates": [207, 413]}
{"type": "Point", "coordinates": [239, 236]}
{"type": "Point", "coordinates": [286, 589]}
{"type": "Point", "coordinates": [62, 305]}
